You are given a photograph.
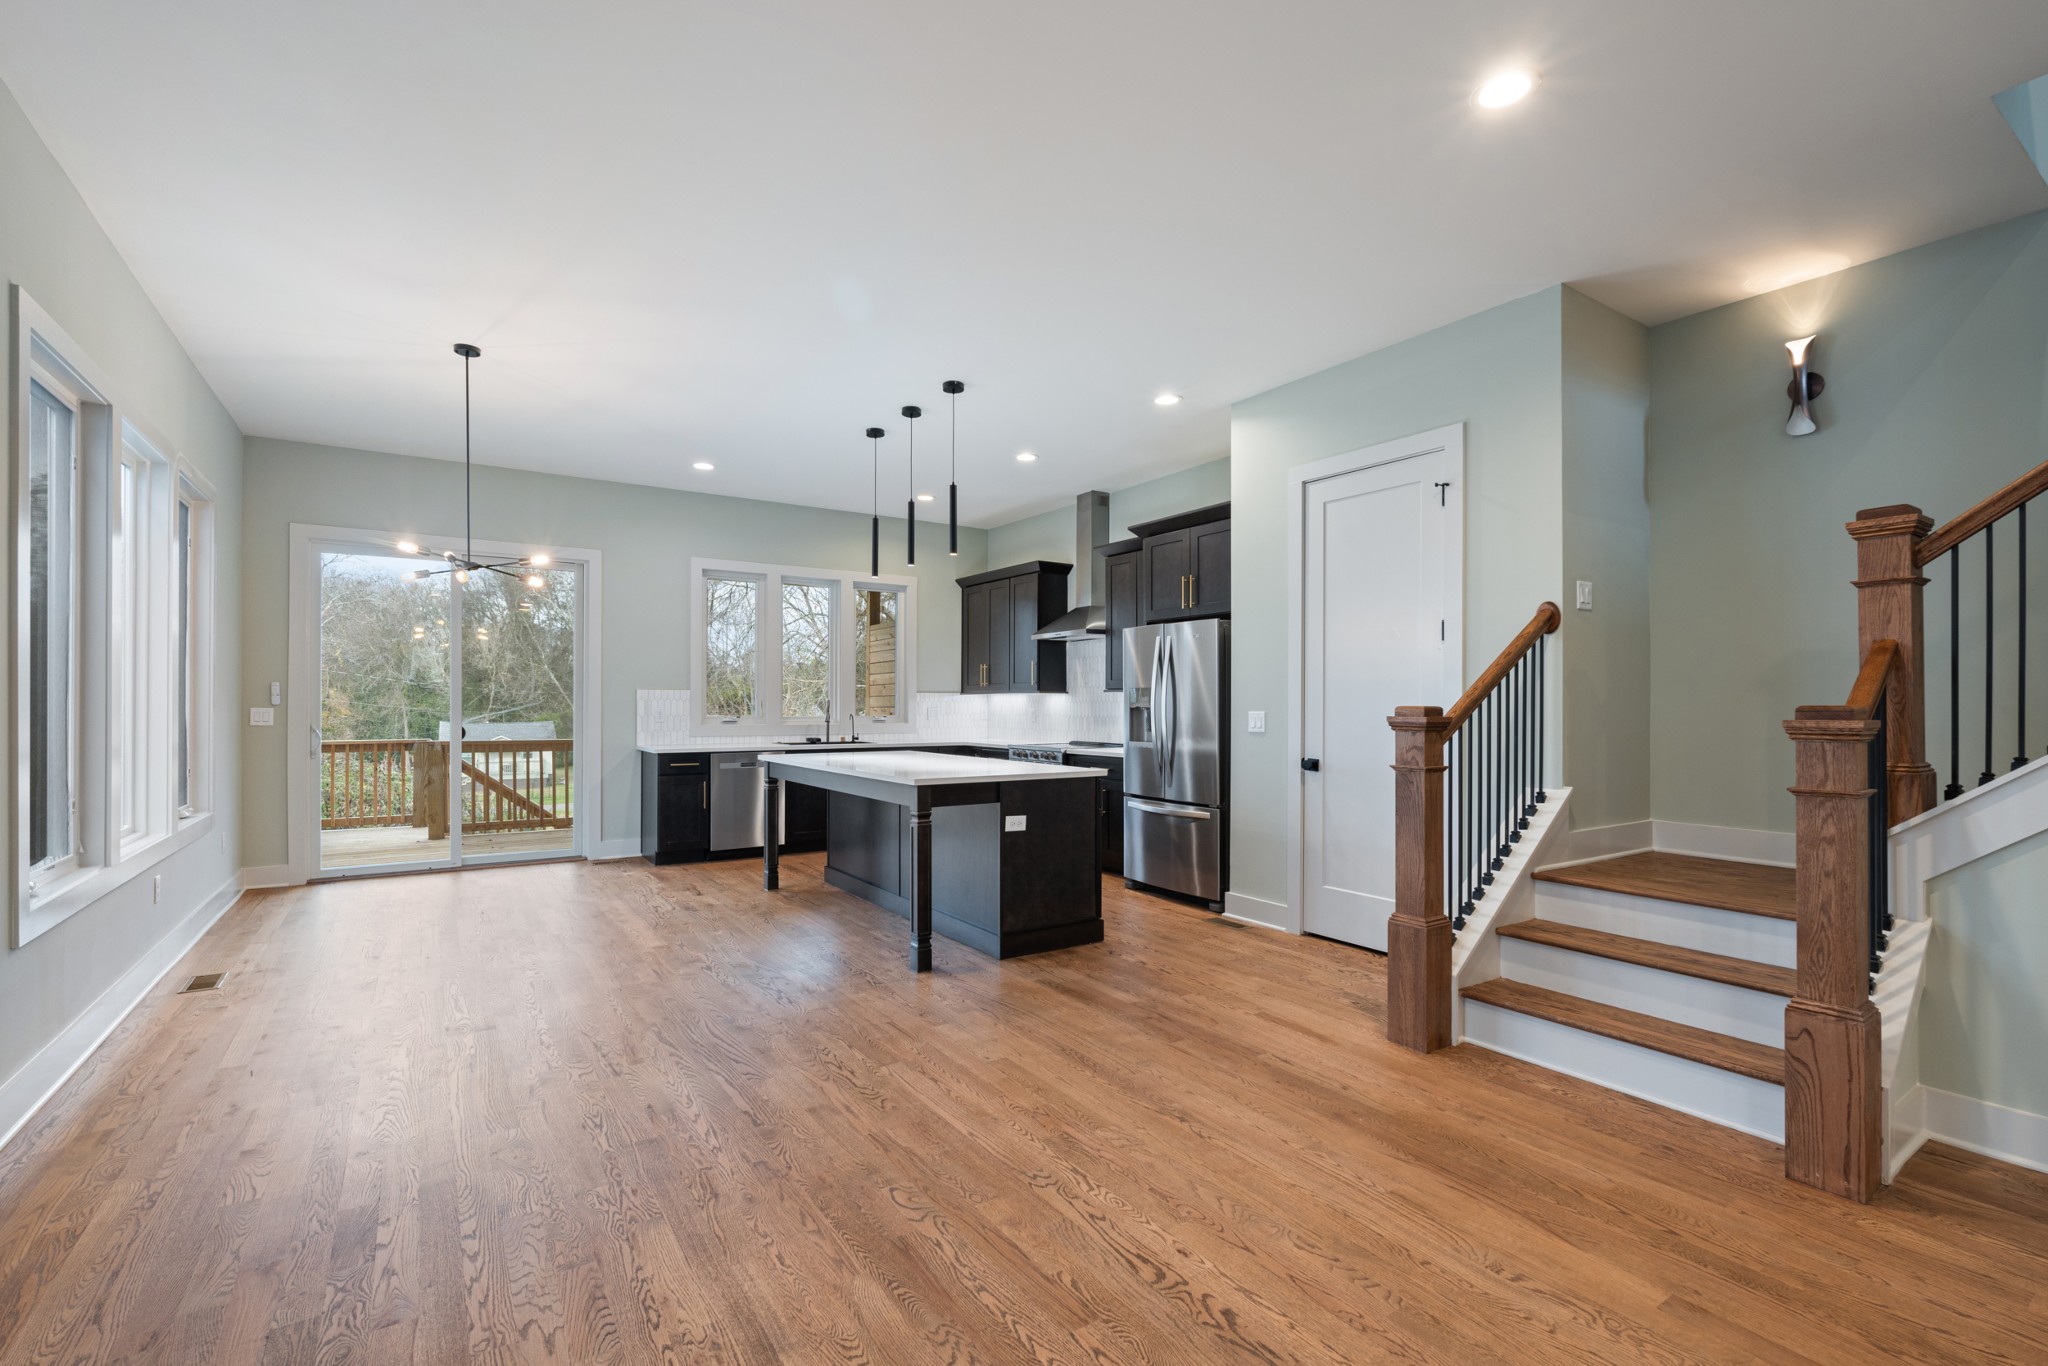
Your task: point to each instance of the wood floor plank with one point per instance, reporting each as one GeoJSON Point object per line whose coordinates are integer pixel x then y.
{"type": "Point", "coordinates": [1753, 888]}
{"type": "Point", "coordinates": [611, 1113]}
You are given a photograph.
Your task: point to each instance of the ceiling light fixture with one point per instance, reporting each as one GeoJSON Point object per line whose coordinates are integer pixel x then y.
{"type": "Point", "coordinates": [463, 565]}
{"type": "Point", "coordinates": [1805, 387]}
{"type": "Point", "coordinates": [703, 465]}
{"type": "Point", "coordinates": [875, 435]}
{"type": "Point", "coordinates": [1504, 89]}
{"type": "Point", "coordinates": [1167, 400]}
{"type": "Point", "coordinates": [953, 389]}
{"type": "Point", "coordinates": [924, 498]}
{"type": "Point", "coordinates": [1026, 457]}
{"type": "Point", "coordinates": [911, 412]}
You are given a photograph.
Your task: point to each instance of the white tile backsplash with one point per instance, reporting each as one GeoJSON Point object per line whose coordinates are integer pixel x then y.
{"type": "Point", "coordinates": [1084, 712]}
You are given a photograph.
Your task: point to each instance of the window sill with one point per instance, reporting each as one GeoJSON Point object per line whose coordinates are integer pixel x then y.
{"type": "Point", "coordinates": [56, 904]}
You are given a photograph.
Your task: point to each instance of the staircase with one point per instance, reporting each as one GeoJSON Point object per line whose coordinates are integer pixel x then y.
{"type": "Point", "coordinates": [1661, 975]}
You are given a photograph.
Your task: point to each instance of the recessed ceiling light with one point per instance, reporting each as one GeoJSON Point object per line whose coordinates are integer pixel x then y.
{"type": "Point", "coordinates": [924, 497]}
{"type": "Point", "coordinates": [1504, 89]}
{"type": "Point", "coordinates": [703, 465]}
{"type": "Point", "coordinates": [1167, 400]}
{"type": "Point", "coordinates": [1026, 456]}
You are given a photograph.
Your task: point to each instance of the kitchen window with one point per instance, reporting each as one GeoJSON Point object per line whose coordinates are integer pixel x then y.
{"type": "Point", "coordinates": [113, 619]}
{"type": "Point", "coordinates": [790, 650]}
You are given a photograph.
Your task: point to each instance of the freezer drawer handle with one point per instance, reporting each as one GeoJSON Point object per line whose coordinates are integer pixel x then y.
{"type": "Point", "coordinates": [1184, 812]}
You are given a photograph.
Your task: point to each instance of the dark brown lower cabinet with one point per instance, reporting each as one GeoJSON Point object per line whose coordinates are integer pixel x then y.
{"type": "Point", "coordinates": [675, 807]}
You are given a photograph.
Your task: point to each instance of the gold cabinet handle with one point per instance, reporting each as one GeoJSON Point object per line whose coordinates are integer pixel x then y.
{"type": "Point", "coordinates": [1194, 596]}
{"type": "Point", "coordinates": [704, 796]}
{"type": "Point", "coordinates": [1034, 673]}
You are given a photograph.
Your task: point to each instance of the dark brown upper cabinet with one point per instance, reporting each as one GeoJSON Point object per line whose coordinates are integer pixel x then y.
{"type": "Point", "coordinates": [1185, 572]}
{"type": "Point", "coordinates": [999, 612]}
{"type": "Point", "coordinates": [1122, 563]}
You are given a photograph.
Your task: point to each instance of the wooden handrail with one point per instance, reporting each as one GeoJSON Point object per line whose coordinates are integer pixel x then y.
{"type": "Point", "coordinates": [1546, 620]}
{"type": "Point", "coordinates": [1946, 538]}
{"type": "Point", "coordinates": [1868, 693]}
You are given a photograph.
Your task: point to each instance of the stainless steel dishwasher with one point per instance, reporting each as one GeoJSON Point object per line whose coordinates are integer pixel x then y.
{"type": "Point", "coordinates": [736, 788]}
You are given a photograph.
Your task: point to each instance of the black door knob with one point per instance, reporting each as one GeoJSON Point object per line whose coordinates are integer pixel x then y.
{"type": "Point", "coordinates": [1312, 765]}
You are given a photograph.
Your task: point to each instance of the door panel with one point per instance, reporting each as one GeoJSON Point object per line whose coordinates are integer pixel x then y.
{"type": "Point", "coordinates": [1023, 624]}
{"type": "Point", "coordinates": [1166, 571]}
{"type": "Point", "coordinates": [974, 636]}
{"type": "Point", "coordinates": [519, 705]}
{"type": "Point", "coordinates": [1374, 603]}
{"type": "Point", "coordinates": [1209, 563]}
{"type": "Point", "coordinates": [1120, 609]}
{"type": "Point", "coordinates": [999, 635]}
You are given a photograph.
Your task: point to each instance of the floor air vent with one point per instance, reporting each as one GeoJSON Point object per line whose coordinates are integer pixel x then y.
{"type": "Point", "coordinates": [205, 981]}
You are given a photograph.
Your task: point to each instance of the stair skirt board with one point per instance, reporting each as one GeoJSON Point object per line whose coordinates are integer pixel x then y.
{"type": "Point", "coordinates": [1757, 1016]}
{"type": "Point", "coordinates": [1737, 934]}
{"type": "Point", "coordinates": [1709, 1093]}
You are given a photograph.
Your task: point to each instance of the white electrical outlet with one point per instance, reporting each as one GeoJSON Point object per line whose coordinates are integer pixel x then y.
{"type": "Point", "coordinates": [1585, 596]}
{"type": "Point", "coordinates": [262, 716]}
{"type": "Point", "coordinates": [1255, 722]}
{"type": "Point", "coordinates": [156, 889]}
{"type": "Point", "coordinates": [1012, 823]}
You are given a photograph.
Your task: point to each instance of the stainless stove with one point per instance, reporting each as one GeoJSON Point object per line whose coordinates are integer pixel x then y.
{"type": "Point", "coordinates": [1038, 754]}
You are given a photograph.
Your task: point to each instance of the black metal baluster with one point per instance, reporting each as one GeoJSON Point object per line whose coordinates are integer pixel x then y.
{"type": "Point", "coordinates": [1465, 874]}
{"type": "Point", "coordinates": [1990, 636]}
{"type": "Point", "coordinates": [1482, 799]}
{"type": "Point", "coordinates": [1452, 892]}
{"type": "Point", "coordinates": [2019, 737]}
{"type": "Point", "coordinates": [1518, 753]}
{"type": "Point", "coordinates": [1528, 731]}
{"type": "Point", "coordinates": [1501, 823]}
{"type": "Point", "coordinates": [1880, 849]}
{"type": "Point", "coordinates": [1955, 675]}
{"type": "Point", "coordinates": [1541, 757]}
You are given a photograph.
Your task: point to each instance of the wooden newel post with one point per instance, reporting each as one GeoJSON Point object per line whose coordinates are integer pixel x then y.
{"type": "Point", "coordinates": [1418, 932]}
{"type": "Point", "coordinates": [1834, 1079]}
{"type": "Point", "coordinates": [1890, 590]}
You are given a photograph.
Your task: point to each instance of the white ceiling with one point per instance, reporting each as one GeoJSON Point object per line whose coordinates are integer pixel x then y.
{"type": "Point", "coordinates": [743, 232]}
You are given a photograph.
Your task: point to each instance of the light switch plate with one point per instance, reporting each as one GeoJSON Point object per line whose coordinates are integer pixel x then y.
{"type": "Point", "coordinates": [1011, 823]}
{"type": "Point", "coordinates": [277, 694]}
{"type": "Point", "coordinates": [262, 716]}
{"type": "Point", "coordinates": [1255, 722]}
{"type": "Point", "coordinates": [1585, 596]}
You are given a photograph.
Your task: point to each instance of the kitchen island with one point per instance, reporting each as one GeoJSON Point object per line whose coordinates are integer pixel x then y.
{"type": "Point", "coordinates": [997, 855]}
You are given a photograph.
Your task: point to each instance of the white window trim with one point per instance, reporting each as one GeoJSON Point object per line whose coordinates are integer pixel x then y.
{"type": "Point", "coordinates": [56, 375]}
{"type": "Point", "coordinates": [768, 649]}
{"type": "Point", "coordinates": [109, 861]}
{"type": "Point", "coordinates": [192, 487]}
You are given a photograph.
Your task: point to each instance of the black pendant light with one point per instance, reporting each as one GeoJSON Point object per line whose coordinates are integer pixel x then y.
{"type": "Point", "coordinates": [465, 564]}
{"type": "Point", "coordinates": [952, 388]}
{"type": "Point", "coordinates": [913, 412]}
{"type": "Point", "coordinates": [875, 435]}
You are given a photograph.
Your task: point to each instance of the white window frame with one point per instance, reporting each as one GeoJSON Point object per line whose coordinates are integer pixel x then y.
{"type": "Point", "coordinates": [768, 719]}
{"type": "Point", "coordinates": [195, 652]}
{"type": "Point", "coordinates": [50, 371]}
{"type": "Point", "coordinates": [134, 750]}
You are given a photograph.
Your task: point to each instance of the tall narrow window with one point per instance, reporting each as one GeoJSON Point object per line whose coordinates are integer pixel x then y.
{"type": "Point", "coordinates": [806, 651]}
{"type": "Point", "coordinates": [876, 612]}
{"type": "Point", "coordinates": [53, 627]}
{"type": "Point", "coordinates": [128, 630]}
{"type": "Point", "coordinates": [732, 633]}
{"type": "Point", "coordinates": [184, 659]}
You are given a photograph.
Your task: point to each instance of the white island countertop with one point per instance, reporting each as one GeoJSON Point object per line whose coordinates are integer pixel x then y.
{"type": "Point", "coordinates": [915, 768]}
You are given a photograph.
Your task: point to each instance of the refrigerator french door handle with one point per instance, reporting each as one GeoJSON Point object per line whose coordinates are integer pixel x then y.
{"type": "Point", "coordinates": [1186, 813]}
{"type": "Point", "coordinates": [1171, 706]}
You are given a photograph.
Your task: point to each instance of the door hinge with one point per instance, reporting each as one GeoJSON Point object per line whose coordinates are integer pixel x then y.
{"type": "Point", "coordinates": [1441, 627]}
{"type": "Point", "coordinates": [1441, 496]}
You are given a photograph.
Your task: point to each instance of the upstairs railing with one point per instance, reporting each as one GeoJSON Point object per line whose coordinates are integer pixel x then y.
{"type": "Point", "coordinates": [1466, 782]}
{"type": "Point", "coordinates": [1833, 1075]}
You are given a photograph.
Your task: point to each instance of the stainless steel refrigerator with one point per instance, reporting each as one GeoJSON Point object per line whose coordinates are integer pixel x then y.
{"type": "Point", "coordinates": [1177, 757]}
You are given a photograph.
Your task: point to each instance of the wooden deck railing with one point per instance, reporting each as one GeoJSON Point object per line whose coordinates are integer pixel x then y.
{"type": "Point", "coordinates": [1466, 782]}
{"type": "Point", "coordinates": [507, 784]}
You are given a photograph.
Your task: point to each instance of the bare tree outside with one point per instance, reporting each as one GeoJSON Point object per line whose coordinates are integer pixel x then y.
{"type": "Point", "coordinates": [806, 651]}
{"type": "Point", "coordinates": [875, 613]}
{"type": "Point", "coordinates": [732, 629]}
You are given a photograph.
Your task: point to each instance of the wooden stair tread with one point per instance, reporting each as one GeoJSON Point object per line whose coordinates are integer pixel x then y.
{"type": "Point", "coordinates": [1713, 967]}
{"type": "Point", "coordinates": [1645, 1031]}
{"type": "Point", "coordinates": [1751, 888]}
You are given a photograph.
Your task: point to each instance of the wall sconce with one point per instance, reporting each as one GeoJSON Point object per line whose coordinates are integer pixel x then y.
{"type": "Point", "coordinates": [1806, 386]}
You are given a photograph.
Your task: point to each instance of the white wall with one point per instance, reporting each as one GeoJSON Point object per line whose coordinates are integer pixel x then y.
{"type": "Point", "coordinates": [51, 246]}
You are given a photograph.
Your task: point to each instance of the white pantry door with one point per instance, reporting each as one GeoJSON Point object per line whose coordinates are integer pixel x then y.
{"type": "Point", "coordinates": [1382, 578]}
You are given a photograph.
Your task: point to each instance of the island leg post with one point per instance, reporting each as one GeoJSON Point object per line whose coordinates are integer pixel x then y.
{"type": "Point", "coordinates": [771, 833]}
{"type": "Point", "coordinates": [921, 889]}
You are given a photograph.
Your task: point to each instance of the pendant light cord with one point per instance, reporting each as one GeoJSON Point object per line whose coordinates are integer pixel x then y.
{"type": "Point", "coordinates": [468, 540]}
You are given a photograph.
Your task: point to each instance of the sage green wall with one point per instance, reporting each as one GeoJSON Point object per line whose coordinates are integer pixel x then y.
{"type": "Point", "coordinates": [51, 246]}
{"type": "Point", "coordinates": [1050, 535]}
{"type": "Point", "coordinates": [1983, 1017]}
{"type": "Point", "coordinates": [1498, 372]}
{"type": "Point", "coordinates": [1936, 362]}
{"type": "Point", "coordinates": [1606, 699]}
{"type": "Point", "coordinates": [647, 536]}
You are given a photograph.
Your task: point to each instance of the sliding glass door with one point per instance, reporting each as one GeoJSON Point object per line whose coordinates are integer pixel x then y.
{"type": "Point", "coordinates": [447, 714]}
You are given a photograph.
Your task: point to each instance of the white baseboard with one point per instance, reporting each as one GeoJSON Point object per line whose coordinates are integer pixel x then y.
{"type": "Point", "coordinates": [1253, 910]}
{"type": "Point", "coordinates": [24, 1093]}
{"type": "Point", "coordinates": [271, 875]}
{"type": "Point", "coordinates": [1602, 841]}
{"type": "Point", "coordinates": [1725, 841]}
{"type": "Point", "coordinates": [1978, 1126]}
{"type": "Point", "coordinates": [605, 850]}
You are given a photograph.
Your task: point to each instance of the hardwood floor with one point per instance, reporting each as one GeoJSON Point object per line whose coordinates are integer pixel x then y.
{"type": "Point", "coordinates": [583, 1113]}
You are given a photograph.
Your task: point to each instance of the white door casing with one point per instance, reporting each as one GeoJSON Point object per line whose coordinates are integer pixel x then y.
{"type": "Point", "coordinates": [1381, 553]}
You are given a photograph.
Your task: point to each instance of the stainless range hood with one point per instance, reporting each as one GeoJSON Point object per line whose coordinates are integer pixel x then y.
{"type": "Point", "coordinates": [1087, 619]}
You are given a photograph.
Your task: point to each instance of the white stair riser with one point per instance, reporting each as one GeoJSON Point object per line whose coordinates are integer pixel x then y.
{"type": "Point", "coordinates": [1757, 1016]}
{"type": "Point", "coordinates": [1739, 1102]}
{"type": "Point", "coordinates": [1758, 938]}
